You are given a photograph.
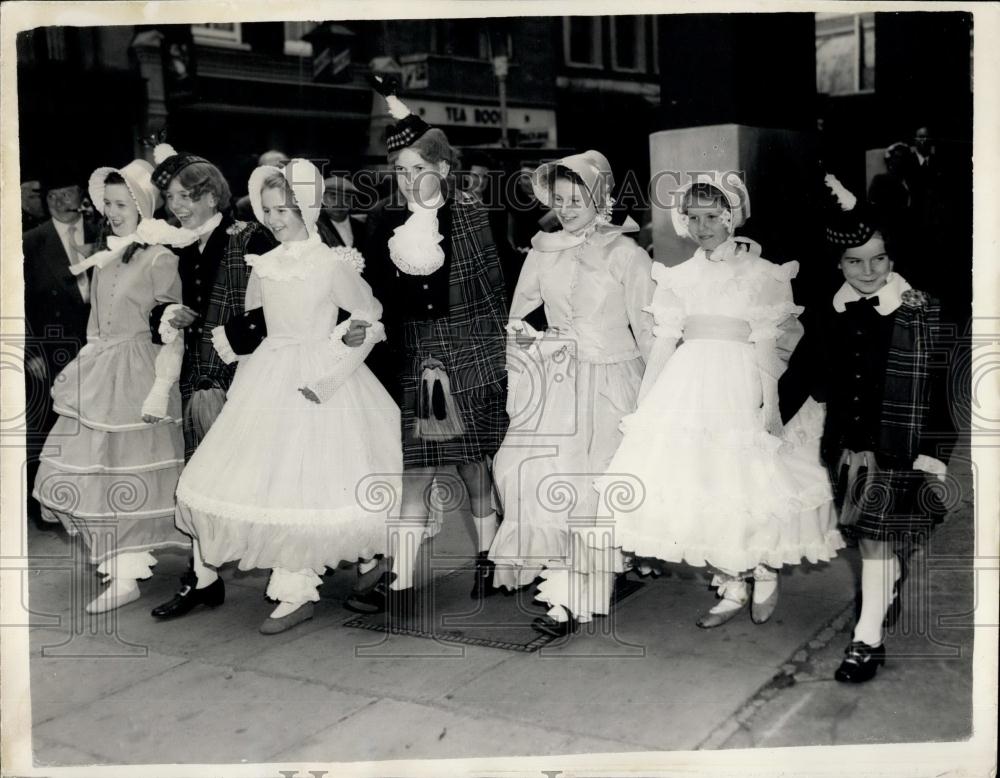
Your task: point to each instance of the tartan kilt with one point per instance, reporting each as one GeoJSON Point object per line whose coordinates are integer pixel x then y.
{"type": "Point", "coordinates": [482, 409]}
{"type": "Point", "coordinates": [887, 504]}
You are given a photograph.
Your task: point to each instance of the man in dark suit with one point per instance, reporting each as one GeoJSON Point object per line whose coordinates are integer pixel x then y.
{"type": "Point", "coordinates": [336, 225]}
{"type": "Point", "coordinates": [56, 306]}
{"type": "Point", "coordinates": [32, 210]}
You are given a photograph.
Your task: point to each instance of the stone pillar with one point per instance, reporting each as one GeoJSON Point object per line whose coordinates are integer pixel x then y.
{"type": "Point", "coordinates": [774, 164]}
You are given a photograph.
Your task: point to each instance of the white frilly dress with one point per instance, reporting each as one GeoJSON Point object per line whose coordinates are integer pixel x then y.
{"type": "Point", "coordinates": [281, 481]}
{"type": "Point", "coordinates": [566, 397]}
{"type": "Point", "coordinates": [698, 478]}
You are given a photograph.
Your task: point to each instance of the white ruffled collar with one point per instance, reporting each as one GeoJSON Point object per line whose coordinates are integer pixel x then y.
{"type": "Point", "coordinates": [150, 232]}
{"type": "Point", "coordinates": [415, 245]}
{"type": "Point", "coordinates": [890, 296]}
{"type": "Point", "coordinates": [294, 259]}
{"type": "Point", "coordinates": [208, 226]}
{"type": "Point", "coordinates": [597, 234]}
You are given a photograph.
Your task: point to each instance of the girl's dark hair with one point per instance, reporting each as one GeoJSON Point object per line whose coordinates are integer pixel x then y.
{"type": "Point", "coordinates": [102, 241]}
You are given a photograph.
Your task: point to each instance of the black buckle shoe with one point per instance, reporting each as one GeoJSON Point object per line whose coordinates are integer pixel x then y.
{"type": "Point", "coordinates": [861, 663]}
{"type": "Point", "coordinates": [482, 582]}
{"type": "Point", "coordinates": [547, 625]}
{"type": "Point", "coordinates": [189, 597]}
{"type": "Point", "coordinates": [381, 599]}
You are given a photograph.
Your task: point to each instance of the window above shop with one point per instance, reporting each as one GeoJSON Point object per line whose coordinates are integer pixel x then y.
{"type": "Point", "coordinates": [845, 53]}
{"type": "Point", "coordinates": [628, 43]}
{"type": "Point", "coordinates": [582, 41]}
{"type": "Point", "coordinates": [226, 35]}
{"type": "Point", "coordinates": [460, 38]}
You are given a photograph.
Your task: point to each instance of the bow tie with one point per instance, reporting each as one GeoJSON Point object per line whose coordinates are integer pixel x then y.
{"type": "Point", "coordinates": [864, 302]}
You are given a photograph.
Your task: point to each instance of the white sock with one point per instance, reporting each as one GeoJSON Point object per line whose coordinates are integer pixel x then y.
{"type": "Point", "coordinates": [367, 567]}
{"type": "Point", "coordinates": [877, 578]}
{"type": "Point", "coordinates": [486, 530]}
{"type": "Point", "coordinates": [405, 547]}
{"type": "Point", "coordinates": [734, 593]}
{"type": "Point", "coordinates": [284, 608]}
{"type": "Point", "coordinates": [765, 581]}
{"type": "Point", "coordinates": [206, 575]}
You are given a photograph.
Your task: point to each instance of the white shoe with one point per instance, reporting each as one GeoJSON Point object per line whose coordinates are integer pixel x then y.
{"type": "Point", "coordinates": [121, 591]}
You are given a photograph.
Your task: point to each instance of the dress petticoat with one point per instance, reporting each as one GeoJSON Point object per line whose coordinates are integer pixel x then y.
{"type": "Point", "coordinates": [281, 481]}
{"type": "Point", "coordinates": [697, 477]}
{"type": "Point", "coordinates": [104, 472]}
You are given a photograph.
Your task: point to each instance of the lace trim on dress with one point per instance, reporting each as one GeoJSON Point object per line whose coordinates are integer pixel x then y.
{"type": "Point", "coordinates": [295, 259]}
{"type": "Point", "coordinates": [766, 319]}
{"type": "Point", "coordinates": [415, 247]}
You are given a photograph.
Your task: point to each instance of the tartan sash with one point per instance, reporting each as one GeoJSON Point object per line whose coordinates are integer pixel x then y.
{"type": "Point", "coordinates": [906, 399]}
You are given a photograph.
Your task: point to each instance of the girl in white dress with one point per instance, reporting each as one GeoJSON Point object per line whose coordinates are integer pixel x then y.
{"type": "Point", "coordinates": [301, 469]}
{"type": "Point", "coordinates": [568, 390]}
{"type": "Point", "coordinates": [718, 485]}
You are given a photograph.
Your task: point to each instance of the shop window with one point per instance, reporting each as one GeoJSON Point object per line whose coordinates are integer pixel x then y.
{"type": "Point", "coordinates": [845, 53]}
{"type": "Point", "coordinates": [295, 46]}
{"type": "Point", "coordinates": [628, 43]}
{"type": "Point", "coordinates": [582, 41]}
{"type": "Point", "coordinates": [228, 35]}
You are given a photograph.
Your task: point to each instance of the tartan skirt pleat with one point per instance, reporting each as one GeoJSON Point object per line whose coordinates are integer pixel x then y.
{"type": "Point", "coordinates": [886, 503]}
{"type": "Point", "coordinates": [482, 409]}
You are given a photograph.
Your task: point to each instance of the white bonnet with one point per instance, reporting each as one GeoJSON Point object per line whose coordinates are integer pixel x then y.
{"type": "Point", "coordinates": [138, 179]}
{"type": "Point", "coordinates": [306, 183]}
{"type": "Point", "coordinates": [729, 184]}
{"type": "Point", "coordinates": [592, 167]}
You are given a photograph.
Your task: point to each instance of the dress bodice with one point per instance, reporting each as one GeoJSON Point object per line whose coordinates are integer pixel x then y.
{"type": "Point", "coordinates": [744, 286]}
{"type": "Point", "coordinates": [303, 286]}
{"type": "Point", "coordinates": [124, 293]}
{"type": "Point", "coordinates": [593, 292]}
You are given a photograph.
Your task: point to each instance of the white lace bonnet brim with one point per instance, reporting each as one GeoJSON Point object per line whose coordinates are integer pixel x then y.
{"type": "Point", "coordinates": [592, 167]}
{"type": "Point", "coordinates": [306, 183]}
{"type": "Point", "coordinates": [138, 180]}
{"type": "Point", "coordinates": [732, 187]}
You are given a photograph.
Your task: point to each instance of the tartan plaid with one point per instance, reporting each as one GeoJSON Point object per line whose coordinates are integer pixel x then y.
{"type": "Point", "coordinates": [906, 402]}
{"type": "Point", "coordinates": [886, 503]}
{"type": "Point", "coordinates": [483, 411]}
{"type": "Point", "coordinates": [235, 240]}
{"type": "Point", "coordinates": [475, 352]}
{"type": "Point", "coordinates": [470, 341]}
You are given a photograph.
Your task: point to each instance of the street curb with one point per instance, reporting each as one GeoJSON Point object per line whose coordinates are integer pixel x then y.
{"type": "Point", "coordinates": [787, 676]}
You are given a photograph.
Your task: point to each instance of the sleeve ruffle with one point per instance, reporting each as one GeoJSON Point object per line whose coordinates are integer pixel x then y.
{"type": "Point", "coordinates": [515, 326]}
{"type": "Point", "coordinates": [167, 331]}
{"type": "Point", "coordinates": [345, 359]}
{"type": "Point", "coordinates": [784, 272]}
{"type": "Point", "coordinates": [222, 346]}
{"type": "Point", "coordinates": [765, 320]}
{"type": "Point", "coordinates": [668, 321]}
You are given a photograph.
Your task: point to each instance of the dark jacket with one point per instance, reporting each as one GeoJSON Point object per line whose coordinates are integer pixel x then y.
{"type": "Point", "coordinates": [56, 315]}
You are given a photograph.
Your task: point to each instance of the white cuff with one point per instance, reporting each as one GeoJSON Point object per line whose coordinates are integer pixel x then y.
{"type": "Point", "coordinates": [927, 464]}
{"type": "Point", "coordinates": [158, 399]}
{"type": "Point", "coordinates": [221, 344]}
{"type": "Point", "coordinates": [519, 326]}
{"type": "Point", "coordinates": [166, 330]}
